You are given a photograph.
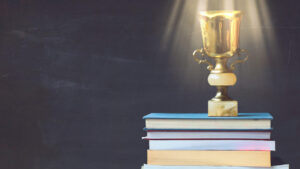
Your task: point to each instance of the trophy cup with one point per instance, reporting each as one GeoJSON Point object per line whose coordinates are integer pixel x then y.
{"type": "Point", "coordinates": [220, 36]}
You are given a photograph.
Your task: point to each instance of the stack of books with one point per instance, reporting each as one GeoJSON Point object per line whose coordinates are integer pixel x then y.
{"type": "Point", "coordinates": [196, 141]}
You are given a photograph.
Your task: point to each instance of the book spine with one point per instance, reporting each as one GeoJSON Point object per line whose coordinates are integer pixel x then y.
{"type": "Point", "coordinates": [285, 166]}
{"type": "Point", "coordinates": [238, 145]}
{"type": "Point", "coordinates": [210, 158]}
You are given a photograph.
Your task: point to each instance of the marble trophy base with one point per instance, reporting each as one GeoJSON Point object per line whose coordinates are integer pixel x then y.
{"type": "Point", "coordinates": [222, 108]}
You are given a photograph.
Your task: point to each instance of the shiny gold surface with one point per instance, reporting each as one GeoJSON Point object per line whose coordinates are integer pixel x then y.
{"type": "Point", "coordinates": [220, 37]}
{"type": "Point", "coordinates": [220, 32]}
{"type": "Point", "coordinates": [239, 52]}
{"type": "Point", "coordinates": [221, 94]}
{"type": "Point", "coordinates": [199, 61]}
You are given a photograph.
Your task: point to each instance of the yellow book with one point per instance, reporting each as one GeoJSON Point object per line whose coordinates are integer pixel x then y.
{"type": "Point", "coordinates": [210, 158]}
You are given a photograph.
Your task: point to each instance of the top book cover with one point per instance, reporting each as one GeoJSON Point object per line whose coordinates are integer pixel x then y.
{"type": "Point", "coordinates": [246, 116]}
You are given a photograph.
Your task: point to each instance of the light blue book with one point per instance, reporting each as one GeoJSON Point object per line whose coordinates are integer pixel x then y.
{"type": "Point", "coordinates": [201, 121]}
{"type": "Point", "coordinates": [203, 116]}
{"type": "Point", "coordinates": [285, 166]}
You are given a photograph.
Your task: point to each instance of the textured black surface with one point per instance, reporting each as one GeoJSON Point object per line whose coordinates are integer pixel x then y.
{"type": "Point", "coordinates": [77, 76]}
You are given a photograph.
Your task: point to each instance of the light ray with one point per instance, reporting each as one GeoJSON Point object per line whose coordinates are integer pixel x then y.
{"type": "Point", "coordinates": [183, 35]}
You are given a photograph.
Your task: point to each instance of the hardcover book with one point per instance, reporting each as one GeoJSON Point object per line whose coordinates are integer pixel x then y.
{"type": "Point", "coordinates": [237, 145]}
{"type": "Point", "coordinates": [247, 121]}
{"type": "Point", "coordinates": [207, 135]}
{"type": "Point", "coordinates": [284, 166]}
{"type": "Point", "coordinates": [209, 158]}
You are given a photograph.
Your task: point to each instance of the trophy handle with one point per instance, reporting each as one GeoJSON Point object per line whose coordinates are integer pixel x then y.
{"type": "Point", "coordinates": [239, 52]}
{"type": "Point", "coordinates": [199, 61]}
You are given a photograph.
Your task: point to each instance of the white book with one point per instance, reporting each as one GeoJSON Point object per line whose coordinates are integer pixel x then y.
{"type": "Point", "coordinates": [263, 135]}
{"type": "Point", "coordinates": [207, 124]}
{"type": "Point", "coordinates": [243, 145]}
{"type": "Point", "coordinates": [285, 166]}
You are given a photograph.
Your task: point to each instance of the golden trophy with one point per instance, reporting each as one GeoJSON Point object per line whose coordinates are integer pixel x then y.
{"type": "Point", "coordinates": [220, 36]}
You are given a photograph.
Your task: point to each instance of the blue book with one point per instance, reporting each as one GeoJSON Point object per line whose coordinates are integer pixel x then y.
{"type": "Point", "coordinates": [241, 116]}
{"type": "Point", "coordinates": [201, 121]}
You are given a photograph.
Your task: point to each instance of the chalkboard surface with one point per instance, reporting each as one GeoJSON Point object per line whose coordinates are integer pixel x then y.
{"type": "Point", "coordinates": [77, 76]}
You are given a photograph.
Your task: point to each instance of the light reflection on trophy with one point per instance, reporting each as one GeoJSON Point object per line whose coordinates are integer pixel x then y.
{"type": "Point", "coordinates": [220, 36]}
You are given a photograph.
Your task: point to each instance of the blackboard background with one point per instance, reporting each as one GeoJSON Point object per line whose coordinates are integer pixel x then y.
{"type": "Point", "coordinates": [76, 77]}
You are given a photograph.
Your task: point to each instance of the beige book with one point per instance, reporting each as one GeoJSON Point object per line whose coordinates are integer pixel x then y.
{"type": "Point", "coordinates": [210, 158]}
{"type": "Point", "coordinates": [207, 124]}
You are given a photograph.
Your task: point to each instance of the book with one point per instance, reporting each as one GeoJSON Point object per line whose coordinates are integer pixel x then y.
{"type": "Point", "coordinates": [203, 121]}
{"type": "Point", "coordinates": [284, 166]}
{"type": "Point", "coordinates": [237, 145]}
{"type": "Point", "coordinates": [204, 135]}
{"type": "Point", "coordinates": [209, 158]}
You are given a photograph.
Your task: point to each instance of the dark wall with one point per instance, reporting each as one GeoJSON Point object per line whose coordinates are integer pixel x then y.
{"type": "Point", "coordinates": [76, 77]}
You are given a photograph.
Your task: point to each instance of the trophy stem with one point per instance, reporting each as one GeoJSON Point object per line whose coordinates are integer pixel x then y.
{"type": "Point", "coordinates": [222, 94]}
{"type": "Point", "coordinates": [222, 104]}
{"type": "Point", "coordinates": [221, 65]}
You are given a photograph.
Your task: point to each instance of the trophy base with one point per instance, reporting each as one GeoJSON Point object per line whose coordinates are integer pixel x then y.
{"type": "Point", "coordinates": [223, 108]}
